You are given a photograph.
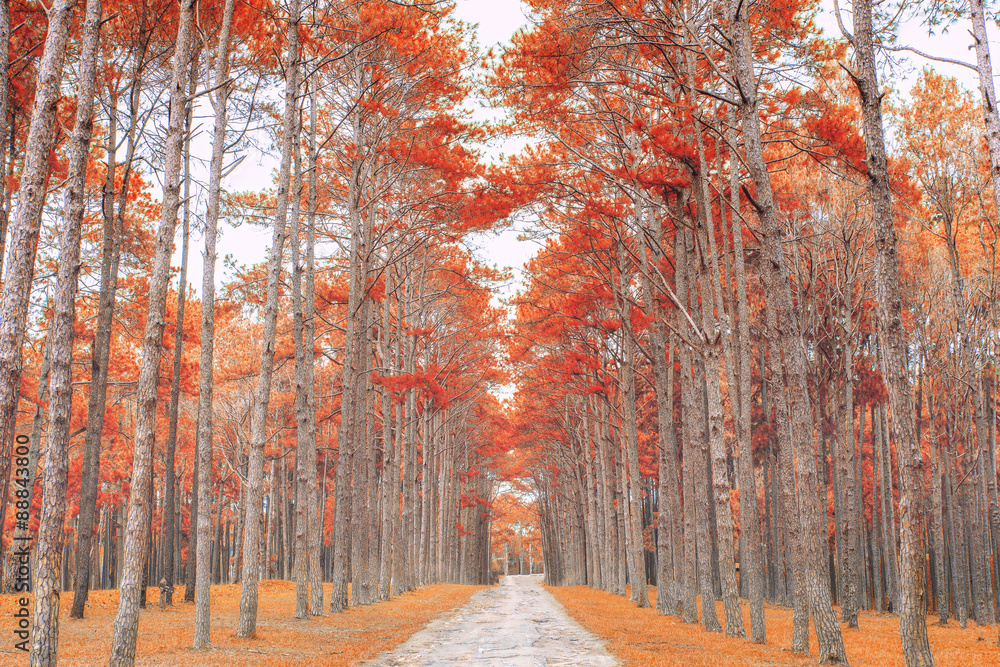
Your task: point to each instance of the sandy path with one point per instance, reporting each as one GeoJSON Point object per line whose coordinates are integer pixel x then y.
{"type": "Point", "coordinates": [515, 624]}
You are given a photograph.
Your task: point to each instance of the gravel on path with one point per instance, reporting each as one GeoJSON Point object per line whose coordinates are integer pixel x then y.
{"type": "Point", "coordinates": [515, 624]}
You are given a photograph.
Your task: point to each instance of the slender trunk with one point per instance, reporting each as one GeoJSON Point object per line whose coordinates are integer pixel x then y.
{"type": "Point", "coordinates": [848, 523]}
{"type": "Point", "coordinates": [637, 569]}
{"type": "Point", "coordinates": [942, 597]}
{"type": "Point", "coordinates": [601, 486]}
{"type": "Point", "coordinates": [303, 452]}
{"type": "Point", "coordinates": [893, 341]}
{"type": "Point", "coordinates": [255, 476]}
{"type": "Point", "coordinates": [134, 552]}
{"type": "Point", "coordinates": [689, 437]}
{"type": "Point", "coordinates": [349, 435]}
{"type": "Point", "coordinates": [101, 349]}
{"type": "Point", "coordinates": [45, 634]}
{"type": "Point", "coordinates": [23, 231]}
{"type": "Point", "coordinates": [777, 283]}
{"type": "Point", "coordinates": [889, 539]}
{"type": "Point", "coordinates": [315, 508]}
{"type": "Point", "coordinates": [751, 563]}
{"type": "Point", "coordinates": [716, 437]}
{"type": "Point", "coordinates": [789, 498]}
{"type": "Point", "coordinates": [878, 516]}
{"type": "Point", "coordinates": [202, 520]}
{"type": "Point", "coordinates": [390, 469]}
{"type": "Point", "coordinates": [169, 455]}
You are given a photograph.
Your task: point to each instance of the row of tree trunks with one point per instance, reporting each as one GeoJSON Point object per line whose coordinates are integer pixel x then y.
{"type": "Point", "coordinates": [411, 487]}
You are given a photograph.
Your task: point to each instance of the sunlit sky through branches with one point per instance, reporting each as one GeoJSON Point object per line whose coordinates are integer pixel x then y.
{"type": "Point", "coordinates": [496, 22]}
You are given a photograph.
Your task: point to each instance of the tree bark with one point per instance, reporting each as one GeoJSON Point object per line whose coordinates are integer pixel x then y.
{"type": "Point", "coordinates": [776, 281]}
{"type": "Point", "coordinates": [893, 341]}
{"type": "Point", "coordinates": [669, 537]}
{"type": "Point", "coordinates": [751, 563]}
{"type": "Point", "coordinates": [101, 349]}
{"type": "Point", "coordinates": [637, 570]}
{"type": "Point", "coordinates": [169, 455]}
{"type": "Point", "coordinates": [992, 121]}
{"type": "Point", "coordinates": [51, 535]}
{"type": "Point", "coordinates": [202, 574]}
{"type": "Point", "coordinates": [711, 351]}
{"type": "Point", "coordinates": [315, 509]}
{"type": "Point", "coordinates": [304, 449]}
{"type": "Point", "coordinates": [134, 553]}
{"type": "Point", "coordinates": [250, 570]}
{"type": "Point", "coordinates": [6, 128]}
{"type": "Point", "coordinates": [846, 461]}
{"type": "Point", "coordinates": [23, 232]}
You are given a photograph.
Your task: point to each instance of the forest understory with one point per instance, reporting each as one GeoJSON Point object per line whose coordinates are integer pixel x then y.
{"type": "Point", "coordinates": [165, 635]}
{"type": "Point", "coordinates": [645, 637]}
{"type": "Point", "coordinates": [635, 636]}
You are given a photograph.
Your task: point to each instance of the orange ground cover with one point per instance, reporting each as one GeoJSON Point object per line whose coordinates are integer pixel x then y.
{"type": "Point", "coordinates": [165, 636]}
{"type": "Point", "coordinates": [640, 637]}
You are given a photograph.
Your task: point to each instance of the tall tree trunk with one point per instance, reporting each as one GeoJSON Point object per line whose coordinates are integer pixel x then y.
{"type": "Point", "coordinates": [889, 546]}
{"type": "Point", "coordinates": [101, 348]}
{"type": "Point", "coordinates": [712, 336]}
{"type": "Point", "coordinates": [315, 508]}
{"type": "Point", "coordinates": [23, 232]}
{"type": "Point", "coordinates": [777, 283]}
{"type": "Point", "coordinates": [689, 436]}
{"type": "Point", "coordinates": [912, 550]}
{"type": "Point", "coordinates": [45, 635]}
{"type": "Point", "coordinates": [698, 550]}
{"type": "Point", "coordinates": [637, 569]}
{"type": "Point", "coordinates": [250, 571]}
{"type": "Point", "coordinates": [845, 461]}
{"type": "Point", "coordinates": [942, 597]}
{"type": "Point", "coordinates": [134, 552]}
{"type": "Point", "coordinates": [303, 451]}
{"type": "Point", "coordinates": [169, 455]}
{"type": "Point", "coordinates": [790, 514]}
{"type": "Point", "coordinates": [752, 562]}
{"type": "Point", "coordinates": [390, 468]}
{"type": "Point", "coordinates": [350, 434]}
{"type": "Point", "coordinates": [878, 516]}
{"type": "Point", "coordinates": [219, 99]}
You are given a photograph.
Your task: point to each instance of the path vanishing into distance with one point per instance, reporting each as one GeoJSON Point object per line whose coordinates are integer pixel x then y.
{"type": "Point", "coordinates": [515, 624]}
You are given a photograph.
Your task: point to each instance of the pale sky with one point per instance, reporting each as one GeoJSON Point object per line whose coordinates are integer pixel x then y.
{"type": "Point", "coordinates": [498, 20]}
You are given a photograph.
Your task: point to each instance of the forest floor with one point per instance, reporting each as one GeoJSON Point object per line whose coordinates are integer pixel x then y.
{"type": "Point", "coordinates": [515, 624]}
{"type": "Point", "coordinates": [165, 636]}
{"type": "Point", "coordinates": [646, 637]}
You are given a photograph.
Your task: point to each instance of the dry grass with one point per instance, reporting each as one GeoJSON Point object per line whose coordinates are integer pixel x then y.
{"type": "Point", "coordinates": [165, 636]}
{"type": "Point", "coordinates": [640, 637]}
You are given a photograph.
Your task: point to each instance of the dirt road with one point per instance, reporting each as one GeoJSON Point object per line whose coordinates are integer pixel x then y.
{"type": "Point", "coordinates": [515, 624]}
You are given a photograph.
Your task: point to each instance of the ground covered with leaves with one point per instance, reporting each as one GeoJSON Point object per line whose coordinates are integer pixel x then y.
{"type": "Point", "coordinates": [640, 637]}
{"type": "Point", "coordinates": [165, 636]}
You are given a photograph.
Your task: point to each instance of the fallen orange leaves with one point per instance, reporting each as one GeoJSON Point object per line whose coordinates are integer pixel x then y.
{"type": "Point", "coordinates": [640, 637]}
{"type": "Point", "coordinates": [165, 637]}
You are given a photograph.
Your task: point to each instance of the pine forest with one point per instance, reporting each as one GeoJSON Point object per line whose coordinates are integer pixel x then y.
{"type": "Point", "coordinates": [272, 394]}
